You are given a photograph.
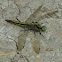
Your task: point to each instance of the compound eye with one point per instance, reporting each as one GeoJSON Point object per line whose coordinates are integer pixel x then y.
{"type": "Point", "coordinates": [43, 28]}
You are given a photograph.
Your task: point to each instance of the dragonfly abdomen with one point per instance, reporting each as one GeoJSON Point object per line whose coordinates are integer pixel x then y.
{"type": "Point", "coordinates": [15, 22]}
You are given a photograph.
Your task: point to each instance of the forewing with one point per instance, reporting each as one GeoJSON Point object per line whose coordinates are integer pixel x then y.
{"type": "Point", "coordinates": [41, 13]}
{"type": "Point", "coordinates": [33, 16]}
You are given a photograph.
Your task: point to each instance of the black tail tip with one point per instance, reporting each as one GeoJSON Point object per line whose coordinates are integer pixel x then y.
{"type": "Point", "coordinates": [8, 20]}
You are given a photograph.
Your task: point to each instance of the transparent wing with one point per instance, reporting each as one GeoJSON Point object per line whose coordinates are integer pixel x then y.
{"type": "Point", "coordinates": [42, 13]}
{"type": "Point", "coordinates": [22, 39]}
{"type": "Point", "coordinates": [39, 14]}
{"type": "Point", "coordinates": [34, 16]}
{"type": "Point", "coordinates": [36, 42]}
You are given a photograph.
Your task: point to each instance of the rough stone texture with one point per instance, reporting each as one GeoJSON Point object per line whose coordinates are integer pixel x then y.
{"type": "Point", "coordinates": [36, 48]}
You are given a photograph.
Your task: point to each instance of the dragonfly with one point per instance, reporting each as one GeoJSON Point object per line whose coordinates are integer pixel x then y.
{"type": "Point", "coordinates": [33, 25]}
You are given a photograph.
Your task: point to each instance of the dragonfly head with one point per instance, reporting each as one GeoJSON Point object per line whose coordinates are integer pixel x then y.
{"type": "Point", "coordinates": [43, 28]}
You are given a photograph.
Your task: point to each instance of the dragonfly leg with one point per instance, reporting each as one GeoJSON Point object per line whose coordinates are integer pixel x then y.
{"type": "Point", "coordinates": [18, 19]}
{"type": "Point", "coordinates": [24, 30]}
{"type": "Point", "coordinates": [34, 33]}
{"type": "Point", "coordinates": [41, 34]}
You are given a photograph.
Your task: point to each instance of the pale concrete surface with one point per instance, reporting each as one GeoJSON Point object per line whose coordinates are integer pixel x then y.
{"type": "Point", "coordinates": [36, 48]}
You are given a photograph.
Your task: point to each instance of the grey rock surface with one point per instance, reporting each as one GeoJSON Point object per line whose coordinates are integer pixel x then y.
{"type": "Point", "coordinates": [19, 46]}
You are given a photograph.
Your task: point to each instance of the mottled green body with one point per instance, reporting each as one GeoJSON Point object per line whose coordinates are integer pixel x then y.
{"type": "Point", "coordinates": [30, 26]}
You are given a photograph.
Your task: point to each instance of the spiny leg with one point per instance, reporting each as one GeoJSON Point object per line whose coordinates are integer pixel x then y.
{"type": "Point", "coordinates": [41, 34]}
{"type": "Point", "coordinates": [18, 19]}
{"type": "Point", "coordinates": [34, 33]}
{"type": "Point", "coordinates": [24, 30]}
